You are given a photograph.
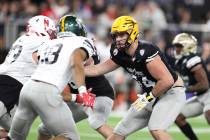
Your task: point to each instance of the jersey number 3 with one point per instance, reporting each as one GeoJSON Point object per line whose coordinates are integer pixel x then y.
{"type": "Point", "coordinates": [14, 53]}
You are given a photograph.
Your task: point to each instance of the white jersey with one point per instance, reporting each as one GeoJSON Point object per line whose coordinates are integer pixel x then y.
{"type": "Point", "coordinates": [19, 63]}
{"type": "Point", "coordinates": [54, 59]}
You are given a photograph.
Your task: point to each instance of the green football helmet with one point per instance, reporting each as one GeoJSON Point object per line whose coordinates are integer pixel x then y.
{"type": "Point", "coordinates": [70, 25]}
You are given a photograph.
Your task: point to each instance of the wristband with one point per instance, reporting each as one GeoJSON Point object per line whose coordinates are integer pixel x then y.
{"type": "Point", "coordinates": [151, 94]}
{"type": "Point", "coordinates": [73, 97]}
{"type": "Point", "coordinates": [150, 97]}
{"type": "Point", "coordinates": [82, 89]}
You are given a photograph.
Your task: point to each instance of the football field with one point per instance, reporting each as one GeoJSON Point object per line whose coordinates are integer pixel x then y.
{"type": "Point", "coordinates": [199, 124]}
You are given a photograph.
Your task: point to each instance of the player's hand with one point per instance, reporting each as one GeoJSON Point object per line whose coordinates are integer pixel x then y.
{"type": "Point", "coordinates": [85, 97]}
{"type": "Point", "coordinates": [142, 101]}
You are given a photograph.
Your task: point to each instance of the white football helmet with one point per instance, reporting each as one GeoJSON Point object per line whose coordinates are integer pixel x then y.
{"type": "Point", "coordinates": [187, 42]}
{"type": "Point", "coordinates": [42, 25]}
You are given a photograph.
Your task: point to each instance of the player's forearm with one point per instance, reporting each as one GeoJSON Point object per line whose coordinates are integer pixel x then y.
{"type": "Point", "coordinates": [78, 73]}
{"type": "Point", "coordinates": [91, 71]}
{"type": "Point", "coordinates": [101, 68]}
{"type": "Point", "coordinates": [199, 87]}
{"type": "Point", "coordinates": [162, 86]}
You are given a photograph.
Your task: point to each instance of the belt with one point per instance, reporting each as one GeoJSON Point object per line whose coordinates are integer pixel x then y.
{"type": "Point", "coordinates": [177, 86]}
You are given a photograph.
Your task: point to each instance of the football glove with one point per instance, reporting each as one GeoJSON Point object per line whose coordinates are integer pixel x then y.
{"type": "Point", "coordinates": [142, 101]}
{"type": "Point", "coordinates": [85, 97]}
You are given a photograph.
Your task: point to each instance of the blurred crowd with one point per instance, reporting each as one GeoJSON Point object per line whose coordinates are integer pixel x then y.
{"type": "Point", "coordinates": [98, 15]}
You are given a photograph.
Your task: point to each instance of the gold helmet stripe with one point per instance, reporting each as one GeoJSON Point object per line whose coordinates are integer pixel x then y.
{"type": "Point", "coordinates": [62, 24]}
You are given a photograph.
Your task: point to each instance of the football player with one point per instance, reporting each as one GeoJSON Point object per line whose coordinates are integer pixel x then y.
{"type": "Point", "coordinates": [58, 61]}
{"type": "Point", "coordinates": [192, 69]}
{"type": "Point", "coordinates": [102, 106]}
{"type": "Point", "coordinates": [18, 65]}
{"type": "Point", "coordinates": [163, 97]}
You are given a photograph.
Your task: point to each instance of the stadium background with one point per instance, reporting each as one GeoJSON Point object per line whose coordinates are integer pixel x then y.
{"type": "Point", "coordinates": [159, 21]}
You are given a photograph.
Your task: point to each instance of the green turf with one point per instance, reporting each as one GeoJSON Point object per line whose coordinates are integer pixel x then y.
{"type": "Point", "coordinates": [199, 125]}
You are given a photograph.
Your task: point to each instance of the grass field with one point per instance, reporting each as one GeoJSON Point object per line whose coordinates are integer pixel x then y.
{"type": "Point", "coordinates": [199, 124]}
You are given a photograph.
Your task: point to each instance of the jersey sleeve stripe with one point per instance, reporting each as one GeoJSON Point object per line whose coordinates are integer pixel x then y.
{"type": "Point", "coordinates": [150, 58]}
{"type": "Point", "coordinates": [193, 62]}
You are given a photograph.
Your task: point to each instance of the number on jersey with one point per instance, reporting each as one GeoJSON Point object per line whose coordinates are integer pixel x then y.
{"type": "Point", "coordinates": [50, 55]}
{"type": "Point", "coordinates": [14, 53]}
{"type": "Point", "coordinates": [147, 83]}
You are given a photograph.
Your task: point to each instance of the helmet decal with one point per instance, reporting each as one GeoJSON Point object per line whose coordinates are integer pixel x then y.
{"type": "Point", "coordinates": [46, 23]}
{"type": "Point", "coordinates": [41, 25]}
{"type": "Point", "coordinates": [71, 25]}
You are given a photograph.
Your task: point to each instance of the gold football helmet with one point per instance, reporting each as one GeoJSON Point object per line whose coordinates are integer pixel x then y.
{"type": "Point", "coordinates": [188, 43]}
{"type": "Point", "coordinates": [126, 24]}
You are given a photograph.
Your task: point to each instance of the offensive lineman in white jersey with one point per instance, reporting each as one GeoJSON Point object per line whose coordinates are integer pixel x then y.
{"type": "Point", "coordinates": [18, 65]}
{"type": "Point", "coordinates": [58, 61]}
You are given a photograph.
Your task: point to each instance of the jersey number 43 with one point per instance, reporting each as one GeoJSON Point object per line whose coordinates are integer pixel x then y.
{"type": "Point", "coordinates": [50, 54]}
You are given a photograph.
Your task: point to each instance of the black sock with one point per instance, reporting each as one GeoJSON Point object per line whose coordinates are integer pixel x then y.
{"type": "Point", "coordinates": [187, 130]}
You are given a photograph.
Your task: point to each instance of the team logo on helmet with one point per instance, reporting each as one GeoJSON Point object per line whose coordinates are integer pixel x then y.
{"type": "Point", "coordinates": [42, 26]}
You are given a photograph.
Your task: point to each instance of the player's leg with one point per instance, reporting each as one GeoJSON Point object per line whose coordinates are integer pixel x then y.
{"type": "Point", "coordinates": [77, 111]}
{"type": "Point", "coordinates": [60, 138]}
{"type": "Point", "coordinates": [165, 112]}
{"type": "Point", "coordinates": [99, 115]}
{"type": "Point", "coordinates": [42, 136]}
{"type": "Point", "coordinates": [191, 109]}
{"type": "Point", "coordinates": [130, 123]}
{"type": "Point", "coordinates": [205, 99]}
{"type": "Point", "coordinates": [78, 115]}
{"type": "Point", "coordinates": [49, 101]}
{"type": "Point", "coordinates": [10, 90]}
{"type": "Point", "coordinates": [43, 133]}
{"type": "Point", "coordinates": [5, 123]}
{"type": "Point", "coordinates": [24, 115]}
{"type": "Point", "coordinates": [105, 130]}
{"type": "Point", "coordinates": [207, 116]}
{"type": "Point", "coordinates": [5, 120]}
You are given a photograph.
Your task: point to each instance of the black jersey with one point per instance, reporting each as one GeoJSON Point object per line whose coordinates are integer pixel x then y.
{"type": "Point", "coordinates": [136, 65]}
{"type": "Point", "coordinates": [184, 66]}
{"type": "Point", "coordinates": [99, 84]}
